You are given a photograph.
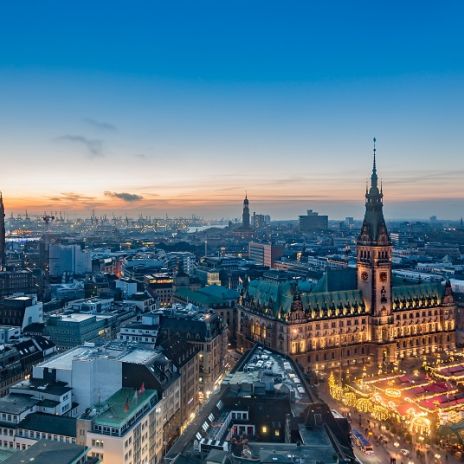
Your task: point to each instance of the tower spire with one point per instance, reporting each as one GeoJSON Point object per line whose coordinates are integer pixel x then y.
{"type": "Point", "coordinates": [374, 178]}
{"type": "Point", "coordinates": [374, 229]}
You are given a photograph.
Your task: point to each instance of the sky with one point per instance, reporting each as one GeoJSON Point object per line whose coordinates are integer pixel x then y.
{"type": "Point", "coordinates": [181, 107]}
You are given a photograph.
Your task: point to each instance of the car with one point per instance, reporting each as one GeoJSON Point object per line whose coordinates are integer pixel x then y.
{"type": "Point", "coordinates": [404, 452]}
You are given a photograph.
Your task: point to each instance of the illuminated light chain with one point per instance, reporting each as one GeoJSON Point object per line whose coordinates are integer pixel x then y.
{"type": "Point", "coordinates": [364, 405]}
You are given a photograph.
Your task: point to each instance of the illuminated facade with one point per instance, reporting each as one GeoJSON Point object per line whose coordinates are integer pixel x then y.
{"type": "Point", "coordinates": [354, 321]}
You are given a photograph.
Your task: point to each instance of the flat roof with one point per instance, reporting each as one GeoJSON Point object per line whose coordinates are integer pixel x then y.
{"type": "Point", "coordinates": [74, 317]}
{"type": "Point", "coordinates": [139, 356]}
{"type": "Point", "coordinates": [16, 403]}
{"type": "Point", "coordinates": [123, 405]}
{"type": "Point", "coordinates": [64, 360]}
{"type": "Point", "coordinates": [48, 452]}
{"type": "Point", "coordinates": [122, 351]}
{"type": "Point", "coordinates": [50, 423]}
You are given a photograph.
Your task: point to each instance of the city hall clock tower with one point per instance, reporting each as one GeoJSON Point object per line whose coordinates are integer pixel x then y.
{"type": "Point", "coordinates": [374, 272]}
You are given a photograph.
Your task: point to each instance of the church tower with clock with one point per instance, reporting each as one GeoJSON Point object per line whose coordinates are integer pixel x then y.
{"type": "Point", "coordinates": [374, 272]}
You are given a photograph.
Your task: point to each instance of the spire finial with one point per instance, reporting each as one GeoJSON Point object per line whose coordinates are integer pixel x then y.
{"type": "Point", "coordinates": [374, 168]}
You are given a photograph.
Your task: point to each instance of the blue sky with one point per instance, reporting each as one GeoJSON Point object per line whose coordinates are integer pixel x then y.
{"type": "Point", "coordinates": [188, 104]}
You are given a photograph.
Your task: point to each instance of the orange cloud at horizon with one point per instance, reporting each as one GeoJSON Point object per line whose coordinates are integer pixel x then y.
{"type": "Point", "coordinates": [204, 199]}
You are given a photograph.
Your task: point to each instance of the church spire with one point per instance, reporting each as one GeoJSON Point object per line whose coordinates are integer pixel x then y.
{"type": "Point", "coordinates": [246, 213]}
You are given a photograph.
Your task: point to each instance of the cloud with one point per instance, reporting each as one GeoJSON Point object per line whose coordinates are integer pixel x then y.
{"type": "Point", "coordinates": [72, 200]}
{"type": "Point", "coordinates": [94, 147]}
{"type": "Point", "coordinates": [72, 197]}
{"type": "Point", "coordinates": [124, 196]}
{"type": "Point", "coordinates": [100, 125]}
{"type": "Point", "coordinates": [141, 156]}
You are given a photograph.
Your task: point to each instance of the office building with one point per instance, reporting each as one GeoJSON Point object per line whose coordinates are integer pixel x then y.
{"type": "Point", "coordinates": [122, 429]}
{"type": "Point", "coordinates": [313, 222]}
{"type": "Point", "coordinates": [160, 287]}
{"type": "Point", "coordinates": [264, 254]}
{"type": "Point", "coordinates": [203, 329]}
{"type": "Point", "coordinates": [186, 357]}
{"type": "Point", "coordinates": [21, 311]}
{"type": "Point", "coordinates": [70, 330]}
{"type": "Point", "coordinates": [143, 331]}
{"type": "Point", "coordinates": [16, 282]}
{"type": "Point", "coordinates": [68, 259]}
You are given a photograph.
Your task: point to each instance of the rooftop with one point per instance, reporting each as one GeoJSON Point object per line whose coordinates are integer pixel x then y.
{"type": "Point", "coordinates": [211, 295]}
{"type": "Point", "coordinates": [123, 405]}
{"type": "Point", "coordinates": [16, 404]}
{"type": "Point", "coordinates": [50, 423]}
{"type": "Point", "coordinates": [123, 351]}
{"type": "Point", "coordinates": [74, 317]}
{"type": "Point", "coordinates": [48, 452]}
{"type": "Point", "coordinates": [42, 386]}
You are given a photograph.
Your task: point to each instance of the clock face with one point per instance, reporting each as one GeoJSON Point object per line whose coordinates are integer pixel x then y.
{"type": "Point", "coordinates": [383, 276]}
{"type": "Point", "coordinates": [364, 275]}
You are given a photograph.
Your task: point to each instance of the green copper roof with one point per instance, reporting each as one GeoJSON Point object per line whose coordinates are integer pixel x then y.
{"type": "Point", "coordinates": [122, 406]}
{"type": "Point", "coordinates": [278, 298]}
{"type": "Point", "coordinates": [207, 296]}
{"type": "Point", "coordinates": [342, 300]}
{"type": "Point", "coordinates": [420, 290]}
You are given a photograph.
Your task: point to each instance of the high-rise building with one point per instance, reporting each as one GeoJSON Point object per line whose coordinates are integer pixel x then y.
{"type": "Point", "coordinates": [264, 254]}
{"type": "Point", "coordinates": [260, 220]}
{"type": "Point", "coordinates": [2, 234]}
{"type": "Point", "coordinates": [312, 222]}
{"type": "Point", "coordinates": [68, 259]}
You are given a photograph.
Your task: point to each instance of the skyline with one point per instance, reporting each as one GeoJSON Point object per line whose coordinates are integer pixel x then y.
{"type": "Point", "coordinates": [164, 119]}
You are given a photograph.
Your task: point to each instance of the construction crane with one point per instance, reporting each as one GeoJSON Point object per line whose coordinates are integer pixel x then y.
{"type": "Point", "coordinates": [47, 218]}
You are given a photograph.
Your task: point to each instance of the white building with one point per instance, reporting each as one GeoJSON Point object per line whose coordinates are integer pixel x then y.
{"type": "Point", "coordinates": [93, 374]}
{"type": "Point", "coordinates": [126, 400]}
{"type": "Point", "coordinates": [91, 305]}
{"type": "Point", "coordinates": [127, 286]}
{"type": "Point", "coordinates": [68, 259]}
{"type": "Point", "coordinates": [143, 301]}
{"type": "Point", "coordinates": [144, 331]}
{"type": "Point", "coordinates": [124, 429]}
